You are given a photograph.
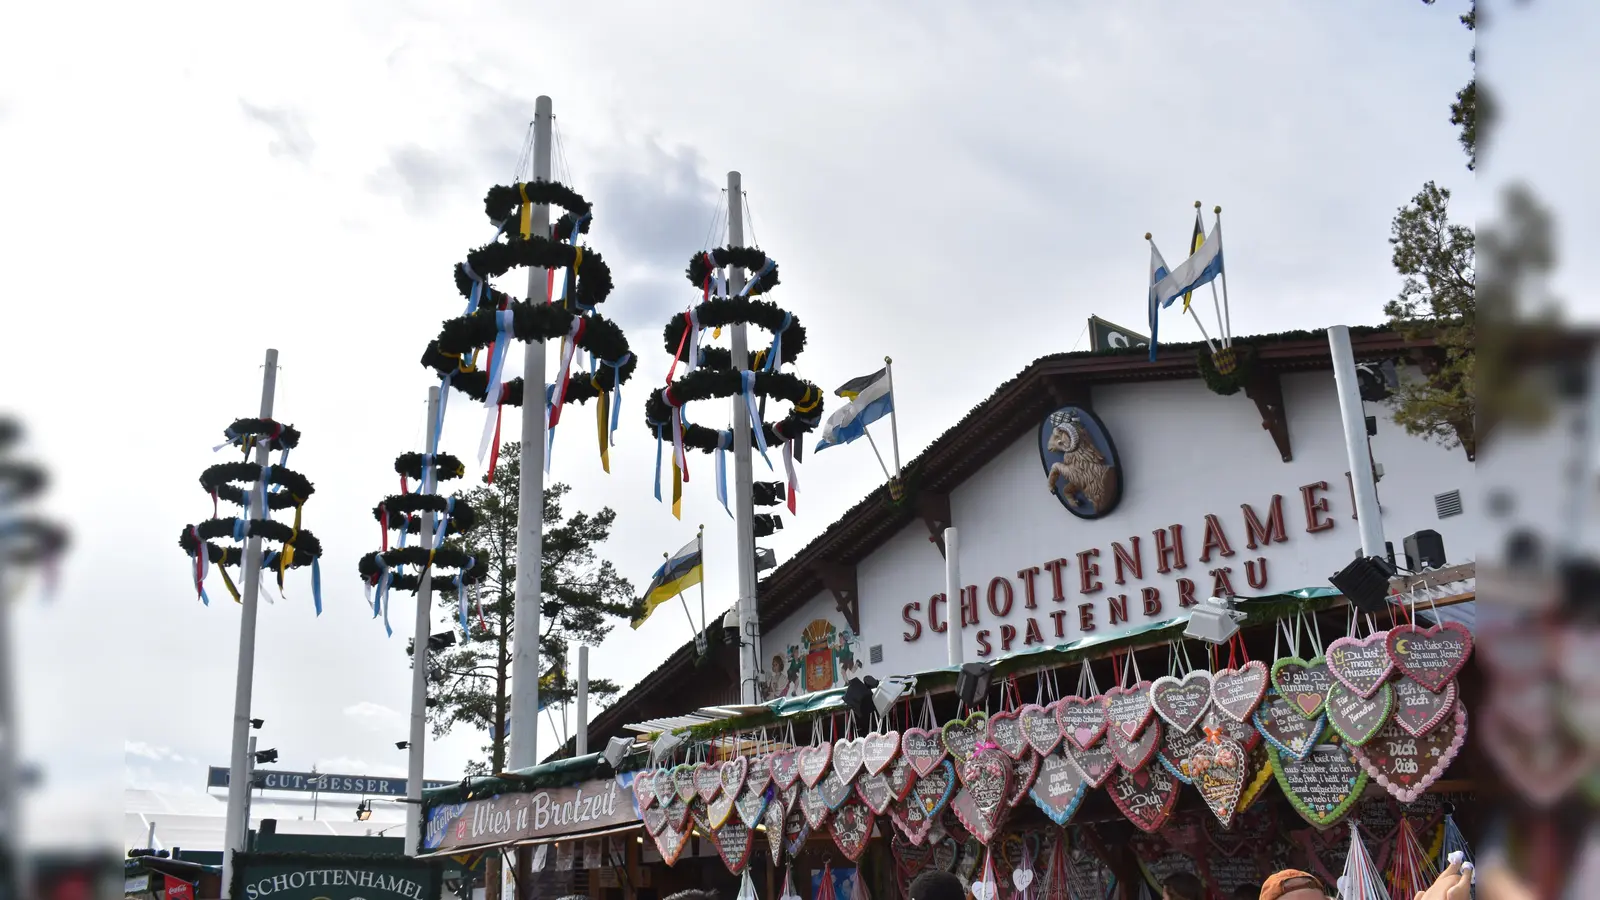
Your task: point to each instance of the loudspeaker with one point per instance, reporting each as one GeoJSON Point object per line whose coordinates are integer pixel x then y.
{"type": "Point", "coordinates": [268, 826]}
{"type": "Point", "coordinates": [1424, 550]}
{"type": "Point", "coordinates": [1365, 583]}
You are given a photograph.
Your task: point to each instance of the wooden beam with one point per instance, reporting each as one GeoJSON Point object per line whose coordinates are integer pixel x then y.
{"type": "Point", "coordinates": [841, 582]}
{"type": "Point", "coordinates": [1266, 390]}
{"type": "Point", "coordinates": [934, 508]}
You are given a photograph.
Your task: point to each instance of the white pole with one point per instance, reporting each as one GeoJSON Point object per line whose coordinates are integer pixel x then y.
{"type": "Point", "coordinates": [420, 632]}
{"type": "Point", "coordinates": [1369, 518]}
{"type": "Point", "coordinates": [150, 839]}
{"type": "Point", "coordinates": [583, 700]}
{"type": "Point", "coordinates": [238, 769]}
{"type": "Point", "coordinates": [744, 511]}
{"type": "Point", "coordinates": [894, 416]}
{"type": "Point", "coordinates": [1227, 312]}
{"type": "Point", "coordinates": [1212, 347]}
{"type": "Point", "coordinates": [530, 499]}
{"type": "Point", "coordinates": [952, 593]}
{"type": "Point", "coordinates": [249, 780]}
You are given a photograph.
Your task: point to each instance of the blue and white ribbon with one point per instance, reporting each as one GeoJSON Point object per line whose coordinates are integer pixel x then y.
{"type": "Point", "coordinates": [748, 380]}
{"type": "Point", "coordinates": [770, 265]}
{"type": "Point", "coordinates": [677, 432]}
{"type": "Point", "coordinates": [658, 463]}
{"type": "Point", "coordinates": [316, 582]}
{"type": "Point", "coordinates": [788, 468]}
{"type": "Point", "coordinates": [616, 391]}
{"type": "Point", "coordinates": [775, 352]}
{"type": "Point", "coordinates": [461, 594]}
{"type": "Point", "coordinates": [443, 525]}
{"type": "Point", "coordinates": [475, 297]}
{"type": "Point", "coordinates": [724, 441]}
{"type": "Point", "coordinates": [691, 358]}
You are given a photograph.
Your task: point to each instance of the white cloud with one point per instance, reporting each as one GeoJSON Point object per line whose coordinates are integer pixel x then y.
{"type": "Point", "coordinates": [155, 753]}
{"type": "Point", "coordinates": [375, 716]}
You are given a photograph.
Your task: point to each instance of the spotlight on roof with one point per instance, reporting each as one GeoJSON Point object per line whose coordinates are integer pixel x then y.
{"type": "Point", "coordinates": [972, 684]}
{"type": "Point", "coordinates": [617, 750]}
{"type": "Point", "coordinates": [890, 690]}
{"type": "Point", "coordinates": [363, 810]}
{"type": "Point", "coordinates": [664, 745]}
{"type": "Point", "coordinates": [1214, 620]}
{"type": "Point", "coordinates": [1365, 583]}
{"type": "Point", "coordinates": [440, 641]}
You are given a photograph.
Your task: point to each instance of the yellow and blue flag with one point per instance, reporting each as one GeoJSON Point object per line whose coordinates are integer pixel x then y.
{"type": "Point", "coordinates": [1195, 241]}
{"type": "Point", "coordinates": [680, 572]}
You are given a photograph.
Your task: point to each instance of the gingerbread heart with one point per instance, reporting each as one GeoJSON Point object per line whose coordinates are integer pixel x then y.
{"type": "Point", "coordinates": [879, 750]}
{"type": "Point", "coordinates": [1237, 692]}
{"type": "Point", "coordinates": [849, 755]}
{"type": "Point", "coordinates": [1005, 732]}
{"type": "Point", "coordinates": [1181, 702]}
{"type": "Point", "coordinates": [981, 803]}
{"type": "Point", "coordinates": [1357, 718]}
{"type": "Point", "coordinates": [962, 736]}
{"type": "Point", "coordinates": [719, 810]}
{"type": "Point", "coordinates": [1129, 709]}
{"type": "Point", "coordinates": [1361, 664]}
{"type": "Point", "coordinates": [796, 828]}
{"type": "Point", "coordinates": [683, 782]}
{"type": "Point", "coordinates": [759, 774]}
{"type": "Point", "coordinates": [772, 826]}
{"type": "Point", "coordinates": [1145, 796]}
{"type": "Point", "coordinates": [834, 790]}
{"type": "Point", "coordinates": [644, 789]}
{"type": "Point", "coordinates": [785, 768]}
{"type": "Point", "coordinates": [875, 792]}
{"type": "Point", "coordinates": [1324, 785]}
{"type": "Point", "coordinates": [1060, 788]}
{"type": "Point", "coordinates": [733, 775]}
{"type": "Point", "coordinates": [1432, 656]}
{"type": "Point", "coordinates": [1419, 710]}
{"type": "Point", "coordinates": [1176, 749]}
{"type": "Point", "coordinates": [1097, 763]}
{"type": "Point", "coordinates": [666, 789]}
{"type": "Point", "coordinates": [901, 778]}
{"type": "Point", "coordinates": [922, 748]}
{"type": "Point", "coordinates": [852, 828]}
{"type": "Point", "coordinates": [1285, 729]}
{"type": "Point", "coordinates": [752, 805]}
{"type": "Point", "coordinates": [1221, 767]}
{"type": "Point", "coordinates": [1039, 728]}
{"type": "Point", "coordinates": [678, 813]}
{"type": "Point", "coordinates": [734, 843]}
{"type": "Point", "coordinates": [1303, 683]}
{"type": "Point", "coordinates": [1082, 720]}
{"type": "Point", "coordinates": [654, 818]}
{"type": "Point", "coordinates": [707, 780]}
{"type": "Point", "coordinates": [815, 809]}
{"type": "Point", "coordinates": [1407, 765]}
{"type": "Point", "coordinates": [1260, 777]}
{"type": "Point", "coordinates": [1132, 755]}
{"type": "Point", "coordinates": [815, 762]}
{"type": "Point", "coordinates": [669, 843]}
{"type": "Point", "coordinates": [790, 796]}
{"type": "Point", "coordinates": [921, 810]}
{"type": "Point", "coordinates": [1023, 773]}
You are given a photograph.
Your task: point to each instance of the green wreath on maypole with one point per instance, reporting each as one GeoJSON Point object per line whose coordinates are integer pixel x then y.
{"type": "Point", "coordinates": [710, 373]}
{"type": "Point", "coordinates": [220, 540]}
{"type": "Point", "coordinates": [494, 319]}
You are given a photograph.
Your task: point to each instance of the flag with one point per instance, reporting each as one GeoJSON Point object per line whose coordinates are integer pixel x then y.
{"type": "Point", "coordinates": [870, 401]}
{"type": "Point", "coordinates": [1105, 335]}
{"type": "Point", "coordinates": [680, 572]}
{"type": "Point", "coordinates": [1195, 241]}
{"type": "Point", "coordinates": [1158, 272]}
{"type": "Point", "coordinates": [1196, 271]}
{"type": "Point", "coordinates": [853, 388]}
{"type": "Point", "coordinates": [548, 682]}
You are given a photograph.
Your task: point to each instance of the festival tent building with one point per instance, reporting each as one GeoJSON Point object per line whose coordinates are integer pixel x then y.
{"type": "Point", "coordinates": [1102, 500]}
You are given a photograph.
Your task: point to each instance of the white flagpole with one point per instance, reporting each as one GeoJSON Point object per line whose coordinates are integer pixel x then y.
{"type": "Point", "coordinates": [701, 538]}
{"type": "Point", "coordinates": [1227, 330]}
{"type": "Point", "coordinates": [894, 420]}
{"type": "Point", "coordinates": [1202, 330]}
{"type": "Point", "coordinates": [876, 453]}
{"type": "Point", "coordinates": [1215, 306]}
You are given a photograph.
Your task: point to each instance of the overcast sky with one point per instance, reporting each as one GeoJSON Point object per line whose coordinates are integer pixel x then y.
{"type": "Point", "coordinates": [187, 184]}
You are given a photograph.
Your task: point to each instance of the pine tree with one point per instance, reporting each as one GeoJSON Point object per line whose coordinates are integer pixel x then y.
{"type": "Point", "coordinates": [582, 595]}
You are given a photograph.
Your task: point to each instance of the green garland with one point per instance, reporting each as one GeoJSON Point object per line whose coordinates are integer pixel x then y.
{"type": "Point", "coordinates": [705, 384]}
{"type": "Point", "coordinates": [1231, 382]}
{"type": "Point", "coordinates": [219, 480]}
{"type": "Point", "coordinates": [460, 337]}
{"type": "Point", "coordinates": [401, 511]}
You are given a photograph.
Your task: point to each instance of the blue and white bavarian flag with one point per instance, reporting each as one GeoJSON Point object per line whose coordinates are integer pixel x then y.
{"type": "Point", "coordinates": [870, 400]}
{"type": "Point", "coordinates": [1197, 271]}
{"type": "Point", "coordinates": [1158, 271]}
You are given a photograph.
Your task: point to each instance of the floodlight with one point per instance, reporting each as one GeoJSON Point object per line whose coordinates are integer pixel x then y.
{"type": "Point", "coordinates": [665, 743]}
{"type": "Point", "coordinates": [1365, 583]}
{"type": "Point", "coordinates": [263, 757]}
{"type": "Point", "coordinates": [890, 689]}
{"type": "Point", "coordinates": [858, 695]}
{"type": "Point", "coordinates": [972, 684]}
{"type": "Point", "coordinates": [402, 745]}
{"type": "Point", "coordinates": [1214, 621]}
{"type": "Point", "coordinates": [617, 749]}
{"type": "Point", "coordinates": [363, 810]}
{"type": "Point", "coordinates": [443, 639]}
{"type": "Point", "coordinates": [766, 523]}
{"type": "Point", "coordinates": [257, 723]}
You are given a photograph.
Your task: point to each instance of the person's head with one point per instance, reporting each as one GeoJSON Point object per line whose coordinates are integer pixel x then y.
{"type": "Point", "coordinates": [1293, 884]}
{"type": "Point", "coordinates": [936, 885]}
{"type": "Point", "coordinates": [1247, 892]}
{"type": "Point", "coordinates": [1182, 886]}
{"type": "Point", "coordinates": [692, 895]}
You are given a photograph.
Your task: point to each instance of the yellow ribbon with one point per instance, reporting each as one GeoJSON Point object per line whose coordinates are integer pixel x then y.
{"type": "Point", "coordinates": [527, 211]}
{"type": "Point", "coordinates": [287, 556]}
{"type": "Point", "coordinates": [677, 489]}
{"type": "Point", "coordinates": [601, 416]}
{"type": "Point", "coordinates": [229, 582]}
{"type": "Point", "coordinates": [761, 357]}
{"type": "Point", "coordinates": [806, 406]}
{"type": "Point", "coordinates": [716, 332]}
{"type": "Point", "coordinates": [577, 259]}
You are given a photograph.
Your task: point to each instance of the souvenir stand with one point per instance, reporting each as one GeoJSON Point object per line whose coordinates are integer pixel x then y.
{"type": "Point", "coordinates": [1083, 770]}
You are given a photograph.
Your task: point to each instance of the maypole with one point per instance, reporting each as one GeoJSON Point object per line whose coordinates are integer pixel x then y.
{"type": "Point", "coordinates": [270, 488]}
{"type": "Point", "coordinates": [727, 299]}
{"type": "Point", "coordinates": [493, 320]}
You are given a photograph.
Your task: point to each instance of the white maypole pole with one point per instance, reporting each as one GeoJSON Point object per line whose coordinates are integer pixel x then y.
{"type": "Point", "coordinates": [239, 766]}
{"type": "Point", "coordinates": [1369, 517]}
{"type": "Point", "coordinates": [419, 640]}
{"type": "Point", "coordinates": [744, 503]}
{"type": "Point", "coordinates": [530, 498]}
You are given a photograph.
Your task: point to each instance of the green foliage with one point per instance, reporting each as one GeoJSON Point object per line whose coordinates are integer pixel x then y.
{"type": "Point", "coordinates": [582, 595]}
{"type": "Point", "coordinates": [1437, 301]}
{"type": "Point", "coordinates": [1464, 111]}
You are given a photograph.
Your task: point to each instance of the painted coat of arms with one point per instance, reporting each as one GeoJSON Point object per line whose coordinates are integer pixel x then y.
{"type": "Point", "coordinates": [1080, 462]}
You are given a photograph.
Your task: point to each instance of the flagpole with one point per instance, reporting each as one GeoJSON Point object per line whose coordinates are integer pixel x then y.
{"type": "Point", "coordinates": [894, 421]}
{"type": "Point", "coordinates": [744, 506]}
{"type": "Point", "coordinates": [1228, 329]}
{"type": "Point", "coordinates": [875, 452]}
{"type": "Point", "coordinates": [1202, 330]}
{"type": "Point", "coordinates": [1217, 308]}
{"type": "Point", "coordinates": [701, 539]}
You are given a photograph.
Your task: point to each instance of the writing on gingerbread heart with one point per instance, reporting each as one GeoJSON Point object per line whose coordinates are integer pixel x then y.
{"type": "Point", "coordinates": [1082, 720]}
{"type": "Point", "coordinates": [1180, 702]}
{"type": "Point", "coordinates": [1361, 664]}
{"type": "Point", "coordinates": [1237, 692]}
{"type": "Point", "coordinates": [1304, 683]}
{"type": "Point", "coordinates": [1432, 656]}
